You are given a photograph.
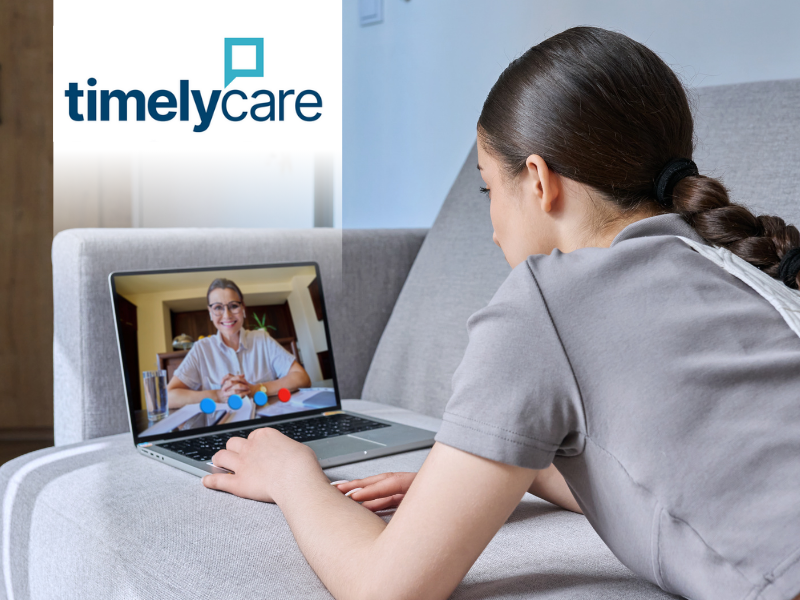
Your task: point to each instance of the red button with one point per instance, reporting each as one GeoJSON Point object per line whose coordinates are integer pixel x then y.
{"type": "Point", "coordinates": [284, 395]}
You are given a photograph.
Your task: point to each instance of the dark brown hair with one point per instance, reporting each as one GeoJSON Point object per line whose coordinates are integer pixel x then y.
{"type": "Point", "coordinates": [607, 112]}
{"type": "Point", "coordinates": [223, 284]}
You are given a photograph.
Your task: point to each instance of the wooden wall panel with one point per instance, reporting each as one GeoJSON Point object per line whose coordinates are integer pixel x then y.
{"type": "Point", "coordinates": [26, 222]}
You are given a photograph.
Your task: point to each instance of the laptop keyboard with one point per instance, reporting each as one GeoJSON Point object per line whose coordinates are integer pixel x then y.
{"type": "Point", "coordinates": [304, 430]}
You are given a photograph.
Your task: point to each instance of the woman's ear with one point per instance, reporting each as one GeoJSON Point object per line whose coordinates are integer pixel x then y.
{"type": "Point", "coordinates": [544, 182]}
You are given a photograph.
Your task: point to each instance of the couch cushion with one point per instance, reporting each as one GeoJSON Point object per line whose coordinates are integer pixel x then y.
{"type": "Point", "coordinates": [458, 268]}
{"type": "Point", "coordinates": [749, 136]}
{"type": "Point", "coordinates": [98, 520]}
{"type": "Point", "coordinates": [375, 264]}
{"type": "Point", "coordinates": [457, 271]}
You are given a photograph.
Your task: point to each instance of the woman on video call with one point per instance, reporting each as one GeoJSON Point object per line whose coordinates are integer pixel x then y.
{"type": "Point", "coordinates": [235, 361]}
{"type": "Point", "coordinates": [617, 372]}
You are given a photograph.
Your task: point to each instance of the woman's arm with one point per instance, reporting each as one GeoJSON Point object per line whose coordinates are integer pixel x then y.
{"type": "Point", "coordinates": [550, 485]}
{"type": "Point", "coordinates": [387, 490]}
{"type": "Point", "coordinates": [293, 380]}
{"type": "Point", "coordinates": [431, 542]}
{"type": "Point", "coordinates": [179, 394]}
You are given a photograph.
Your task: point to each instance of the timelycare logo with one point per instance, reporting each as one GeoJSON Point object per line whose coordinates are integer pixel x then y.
{"type": "Point", "coordinates": [244, 57]}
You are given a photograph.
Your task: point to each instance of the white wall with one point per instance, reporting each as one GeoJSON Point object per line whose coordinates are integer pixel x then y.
{"type": "Point", "coordinates": [252, 189]}
{"type": "Point", "coordinates": [414, 85]}
{"type": "Point", "coordinates": [310, 332]}
{"type": "Point", "coordinates": [225, 190]}
{"type": "Point", "coordinates": [90, 190]}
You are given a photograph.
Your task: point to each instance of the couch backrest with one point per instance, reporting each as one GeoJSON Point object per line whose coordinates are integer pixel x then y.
{"type": "Point", "coordinates": [748, 134]}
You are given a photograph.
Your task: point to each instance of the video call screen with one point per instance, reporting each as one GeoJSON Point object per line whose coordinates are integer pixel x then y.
{"type": "Point", "coordinates": [210, 348]}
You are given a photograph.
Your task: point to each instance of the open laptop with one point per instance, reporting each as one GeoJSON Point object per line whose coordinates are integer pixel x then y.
{"type": "Point", "coordinates": [166, 330]}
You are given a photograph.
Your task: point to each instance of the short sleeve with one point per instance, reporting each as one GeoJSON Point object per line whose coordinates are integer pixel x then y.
{"type": "Point", "coordinates": [280, 359]}
{"type": "Point", "coordinates": [515, 399]}
{"type": "Point", "coordinates": [189, 370]}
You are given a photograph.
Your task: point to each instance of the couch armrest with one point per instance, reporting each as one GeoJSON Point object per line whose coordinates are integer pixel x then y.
{"type": "Point", "coordinates": [375, 264]}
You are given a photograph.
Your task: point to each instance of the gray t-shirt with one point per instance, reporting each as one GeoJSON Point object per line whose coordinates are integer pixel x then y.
{"type": "Point", "coordinates": [665, 390]}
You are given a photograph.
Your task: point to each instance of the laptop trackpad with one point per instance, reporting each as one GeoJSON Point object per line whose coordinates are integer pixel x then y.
{"type": "Point", "coordinates": [341, 445]}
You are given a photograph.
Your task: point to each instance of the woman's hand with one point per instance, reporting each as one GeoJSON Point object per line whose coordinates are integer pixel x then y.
{"type": "Point", "coordinates": [232, 384]}
{"type": "Point", "coordinates": [263, 465]}
{"type": "Point", "coordinates": [379, 492]}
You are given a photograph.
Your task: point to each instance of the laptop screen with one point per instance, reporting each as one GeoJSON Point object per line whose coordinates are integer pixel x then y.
{"type": "Point", "coordinates": [211, 349]}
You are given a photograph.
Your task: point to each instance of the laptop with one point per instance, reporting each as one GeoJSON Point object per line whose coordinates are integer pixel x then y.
{"type": "Point", "coordinates": [176, 336]}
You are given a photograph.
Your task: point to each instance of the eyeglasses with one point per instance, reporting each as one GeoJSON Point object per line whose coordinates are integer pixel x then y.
{"type": "Point", "coordinates": [218, 309]}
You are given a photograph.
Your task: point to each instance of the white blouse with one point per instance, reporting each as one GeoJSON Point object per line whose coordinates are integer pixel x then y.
{"type": "Point", "coordinates": [259, 358]}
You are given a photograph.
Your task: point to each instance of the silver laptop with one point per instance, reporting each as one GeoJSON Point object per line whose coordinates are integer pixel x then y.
{"type": "Point", "coordinates": [212, 353]}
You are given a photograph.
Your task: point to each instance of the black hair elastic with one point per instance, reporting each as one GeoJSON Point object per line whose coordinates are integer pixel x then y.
{"type": "Point", "coordinates": [671, 174]}
{"type": "Point", "coordinates": [790, 267]}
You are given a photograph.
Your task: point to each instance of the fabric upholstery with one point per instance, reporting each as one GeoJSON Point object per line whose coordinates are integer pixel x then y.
{"type": "Point", "coordinates": [458, 268]}
{"type": "Point", "coordinates": [457, 271]}
{"type": "Point", "coordinates": [375, 264]}
{"type": "Point", "coordinates": [749, 136]}
{"type": "Point", "coordinates": [98, 520]}
{"type": "Point", "coordinates": [88, 392]}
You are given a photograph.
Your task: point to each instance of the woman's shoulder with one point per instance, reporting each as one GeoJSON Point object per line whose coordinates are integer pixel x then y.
{"type": "Point", "coordinates": [540, 272]}
{"type": "Point", "coordinates": [199, 348]}
{"type": "Point", "coordinates": [632, 282]}
{"type": "Point", "coordinates": [636, 261]}
{"type": "Point", "coordinates": [204, 343]}
{"type": "Point", "coordinates": [196, 355]}
{"type": "Point", "coordinates": [517, 301]}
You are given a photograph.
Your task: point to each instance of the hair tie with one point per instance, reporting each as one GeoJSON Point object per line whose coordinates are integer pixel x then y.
{"type": "Point", "coordinates": [671, 174]}
{"type": "Point", "coordinates": [790, 267]}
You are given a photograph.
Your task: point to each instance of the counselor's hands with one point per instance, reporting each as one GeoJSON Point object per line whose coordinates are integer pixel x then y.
{"type": "Point", "coordinates": [233, 384]}
{"type": "Point", "coordinates": [378, 492]}
{"type": "Point", "coordinates": [263, 464]}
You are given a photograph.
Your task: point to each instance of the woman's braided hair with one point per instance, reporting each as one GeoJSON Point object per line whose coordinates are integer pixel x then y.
{"type": "Point", "coordinates": [605, 111]}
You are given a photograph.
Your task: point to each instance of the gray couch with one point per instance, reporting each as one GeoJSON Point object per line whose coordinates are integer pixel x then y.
{"type": "Point", "coordinates": [91, 518]}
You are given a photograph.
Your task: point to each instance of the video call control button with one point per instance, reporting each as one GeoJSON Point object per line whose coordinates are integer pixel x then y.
{"type": "Point", "coordinates": [235, 401]}
{"type": "Point", "coordinates": [260, 398]}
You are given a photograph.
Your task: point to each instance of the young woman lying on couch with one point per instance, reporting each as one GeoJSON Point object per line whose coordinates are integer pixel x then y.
{"type": "Point", "coordinates": [631, 367]}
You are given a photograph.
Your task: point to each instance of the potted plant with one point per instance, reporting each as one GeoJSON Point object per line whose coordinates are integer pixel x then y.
{"type": "Point", "coordinates": [262, 323]}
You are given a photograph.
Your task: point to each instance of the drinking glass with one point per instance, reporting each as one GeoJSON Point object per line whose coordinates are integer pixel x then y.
{"type": "Point", "coordinates": [155, 394]}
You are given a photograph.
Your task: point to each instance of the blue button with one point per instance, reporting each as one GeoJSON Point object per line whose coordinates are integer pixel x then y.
{"type": "Point", "coordinates": [235, 401]}
{"type": "Point", "coordinates": [260, 398]}
{"type": "Point", "coordinates": [208, 406]}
